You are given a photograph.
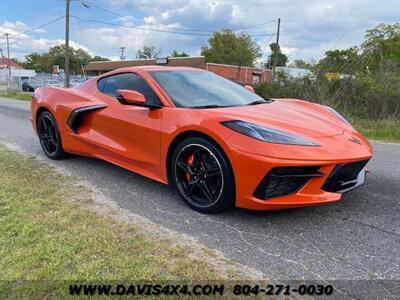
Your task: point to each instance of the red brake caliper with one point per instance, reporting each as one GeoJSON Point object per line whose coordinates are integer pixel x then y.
{"type": "Point", "coordinates": [190, 162]}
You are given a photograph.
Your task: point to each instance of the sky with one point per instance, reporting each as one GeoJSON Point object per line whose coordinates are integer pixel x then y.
{"type": "Point", "coordinates": [101, 27]}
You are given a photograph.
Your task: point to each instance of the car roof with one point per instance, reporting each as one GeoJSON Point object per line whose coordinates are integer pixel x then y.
{"type": "Point", "coordinates": [149, 68]}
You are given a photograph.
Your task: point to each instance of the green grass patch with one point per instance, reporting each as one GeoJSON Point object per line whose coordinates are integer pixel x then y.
{"type": "Point", "coordinates": [48, 237]}
{"type": "Point", "coordinates": [26, 96]}
{"type": "Point", "coordinates": [384, 130]}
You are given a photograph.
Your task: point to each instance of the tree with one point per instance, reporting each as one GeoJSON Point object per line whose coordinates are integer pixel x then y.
{"type": "Point", "coordinates": [56, 56]}
{"type": "Point", "coordinates": [282, 58]}
{"type": "Point", "coordinates": [382, 46]}
{"type": "Point", "coordinates": [226, 47]}
{"type": "Point", "coordinates": [148, 52]}
{"type": "Point", "coordinates": [179, 54]}
{"type": "Point", "coordinates": [340, 61]}
{"type": "Point", "coordinates": [301, 63]}
{"type": "Point", "coordinates": [99, 58]}
{"type": "Point", "coordinates": [37, 62]}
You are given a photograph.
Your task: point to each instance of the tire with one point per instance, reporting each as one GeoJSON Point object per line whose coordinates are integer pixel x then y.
{"type": "Point", "coordinates": [49, 136]}
{"type": "Point", "coordinates": [202, 175]}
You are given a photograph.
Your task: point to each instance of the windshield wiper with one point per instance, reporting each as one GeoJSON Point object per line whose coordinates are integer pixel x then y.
{"type": "Point", "coordinates": [208, 106]}
{"type": "Point", "coordinates": [260, 102]}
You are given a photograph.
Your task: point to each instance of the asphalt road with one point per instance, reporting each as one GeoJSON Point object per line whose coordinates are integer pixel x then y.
{"type": "Point", "coordinates": [356, 238]}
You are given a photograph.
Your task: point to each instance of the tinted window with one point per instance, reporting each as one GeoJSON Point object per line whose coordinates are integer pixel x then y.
{"type": "Point", "coordinates": [199, 88]}
{"type": "Point", "coordinates": [127, 81]}
{"type": "Point", "coordinates": [101, 84]}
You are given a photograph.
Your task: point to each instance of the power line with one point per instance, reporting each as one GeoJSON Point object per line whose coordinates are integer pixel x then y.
{"type": "Point", "coordinates": [152, 29]}
{"type": "Point", "coordinates": [39, 26]}
{"type": "Point", "coordinates": [267, 43]}
{"type": "Point", "coordinates": [36, 27]}
{"type": "Point", "coordinates": [341, 37]}
{"type": "Point", "coordinates": [167, 27]}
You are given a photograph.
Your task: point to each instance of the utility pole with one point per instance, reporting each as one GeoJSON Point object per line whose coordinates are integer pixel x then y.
{"type": "Point", "coordinates": [66, 69]}
{"type": "Point", "coordinates": [122, 49]}
{"type": "Point", "coordinates": [8, 62]}
{"type": "Point", "coordinates": [277, 49]}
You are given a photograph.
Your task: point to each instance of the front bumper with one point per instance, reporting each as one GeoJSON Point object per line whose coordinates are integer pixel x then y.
{"type": "Point", "coordinates": [251, 169]}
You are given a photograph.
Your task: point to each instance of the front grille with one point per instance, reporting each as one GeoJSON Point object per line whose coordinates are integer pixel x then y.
{"type": "Point", "coordinates": [344, 176]}
{"type": "Point", "coordinates": [282, 181]}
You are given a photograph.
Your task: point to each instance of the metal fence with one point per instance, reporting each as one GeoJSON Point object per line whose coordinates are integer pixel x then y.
{"type": "Point", "coordinates": [41, 79]}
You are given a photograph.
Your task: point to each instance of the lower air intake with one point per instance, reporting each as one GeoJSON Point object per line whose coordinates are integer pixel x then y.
{"type": "Point", "coordinates": [282, 181]}
{"type": "Point", "coordinates": [344, 176]}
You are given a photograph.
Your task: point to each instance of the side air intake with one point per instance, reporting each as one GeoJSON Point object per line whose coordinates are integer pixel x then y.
{"type": "Point", "coordinates": [76, 118]}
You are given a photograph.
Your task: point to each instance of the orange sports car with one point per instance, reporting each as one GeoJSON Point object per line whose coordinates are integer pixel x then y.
{"type": "Point", "coordinates": [217, 142]}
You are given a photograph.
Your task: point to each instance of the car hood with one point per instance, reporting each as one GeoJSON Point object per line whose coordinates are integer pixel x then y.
{"type": "Point", "coordinates": [290, 115]}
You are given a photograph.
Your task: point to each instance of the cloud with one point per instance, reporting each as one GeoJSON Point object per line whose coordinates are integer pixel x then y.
{"type": "Point", "coordinates": [22, 44]}
{"type": "Point", "coordinates": [134, 39]}
{"type": "Point", "coordinates": [308, 27]}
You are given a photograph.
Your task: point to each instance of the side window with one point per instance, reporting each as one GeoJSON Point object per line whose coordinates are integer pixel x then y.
{"type": "Point", "coordinates": [101, 84]}
{"type": "Point", "coordinates": [127, 81]}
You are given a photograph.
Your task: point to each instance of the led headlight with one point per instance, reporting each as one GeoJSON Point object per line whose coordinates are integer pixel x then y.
{"type": "Point", "coordinates": [338, 115]}
{"type": "Point", "coordinates": [266, 134]}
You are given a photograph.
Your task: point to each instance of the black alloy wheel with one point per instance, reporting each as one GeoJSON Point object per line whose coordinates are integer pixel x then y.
{"type": "Point", "coordinates": [203, 176]}
{"type": "Point", "coordinates": [49, 136]}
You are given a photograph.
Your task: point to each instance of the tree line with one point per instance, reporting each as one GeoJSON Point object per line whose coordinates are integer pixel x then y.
{"type": "Point", "coordinates": [368, 85]}
{"type": "Point", "coordinates": [224, 47]}
{"type": "Point", "coordinates": [368, 81]}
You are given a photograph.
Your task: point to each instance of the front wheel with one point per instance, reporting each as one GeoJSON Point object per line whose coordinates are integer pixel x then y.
{"type": "Point", "coordinates": [49, 136]}
{"type": "Point", "coordinates": [203, 176]}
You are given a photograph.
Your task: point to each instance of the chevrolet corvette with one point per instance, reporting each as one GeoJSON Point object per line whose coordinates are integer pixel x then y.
{"type": "Point", "coordinates": [218, 143]}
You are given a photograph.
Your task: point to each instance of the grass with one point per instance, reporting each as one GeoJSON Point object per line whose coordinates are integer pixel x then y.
{"type": "Point", "coordinates": [46, 236]}
{"type": "Point", "coordinates": [26, 96]}
{"type": "Point", "coordinates": [384, 130]}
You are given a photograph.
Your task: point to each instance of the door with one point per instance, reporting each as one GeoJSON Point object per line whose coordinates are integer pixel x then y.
{"type": "Point", "coordinates": [128, 135]}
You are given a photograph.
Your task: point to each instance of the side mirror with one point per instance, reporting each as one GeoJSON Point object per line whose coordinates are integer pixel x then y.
{"type": "Point", "coordinates": [249, 88]}
{"type": "Point", "coordinates": [132, 97]}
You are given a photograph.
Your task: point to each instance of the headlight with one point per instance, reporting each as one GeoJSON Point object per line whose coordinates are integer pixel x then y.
{"type": "Point", "coordinates": [266, 134]}
{"type": "Point", "coordinates": [338, 115]}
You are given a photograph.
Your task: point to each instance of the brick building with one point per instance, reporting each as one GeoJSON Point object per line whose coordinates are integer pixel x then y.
{"type": "Point", "coordinates": [242, 75]}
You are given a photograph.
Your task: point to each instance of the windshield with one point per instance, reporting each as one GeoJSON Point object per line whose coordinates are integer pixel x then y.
{"type": "Point", "coordinates": [202, 89]}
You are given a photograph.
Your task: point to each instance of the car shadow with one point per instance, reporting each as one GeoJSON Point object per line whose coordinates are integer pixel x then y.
{"type": "Point", "coordinates": [356, 200]}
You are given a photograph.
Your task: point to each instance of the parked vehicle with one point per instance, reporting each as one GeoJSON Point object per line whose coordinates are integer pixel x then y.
{"type": "Point", "coordinates": [27, 85]}
{"type": "Point", "coordinates": [31, 85]}
{"type": "Point", "coordinates": [217, 142]}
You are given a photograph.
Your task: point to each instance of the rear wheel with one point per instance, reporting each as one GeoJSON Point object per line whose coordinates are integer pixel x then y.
{"type": "Point", "coordinates": [49, 136]}
{"type": "Point", "coordinates": [203, 176]}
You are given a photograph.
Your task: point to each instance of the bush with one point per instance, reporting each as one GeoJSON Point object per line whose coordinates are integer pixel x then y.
{"type": "Point", "coordinates": [370, 84]}
{"type": "Point", "coordinates": [362, 95]}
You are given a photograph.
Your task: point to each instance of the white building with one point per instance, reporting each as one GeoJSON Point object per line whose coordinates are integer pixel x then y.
{"type": "Point", "coordinates": [18, 73]}
{"type": "Point", "coordinates": [295, 73]}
